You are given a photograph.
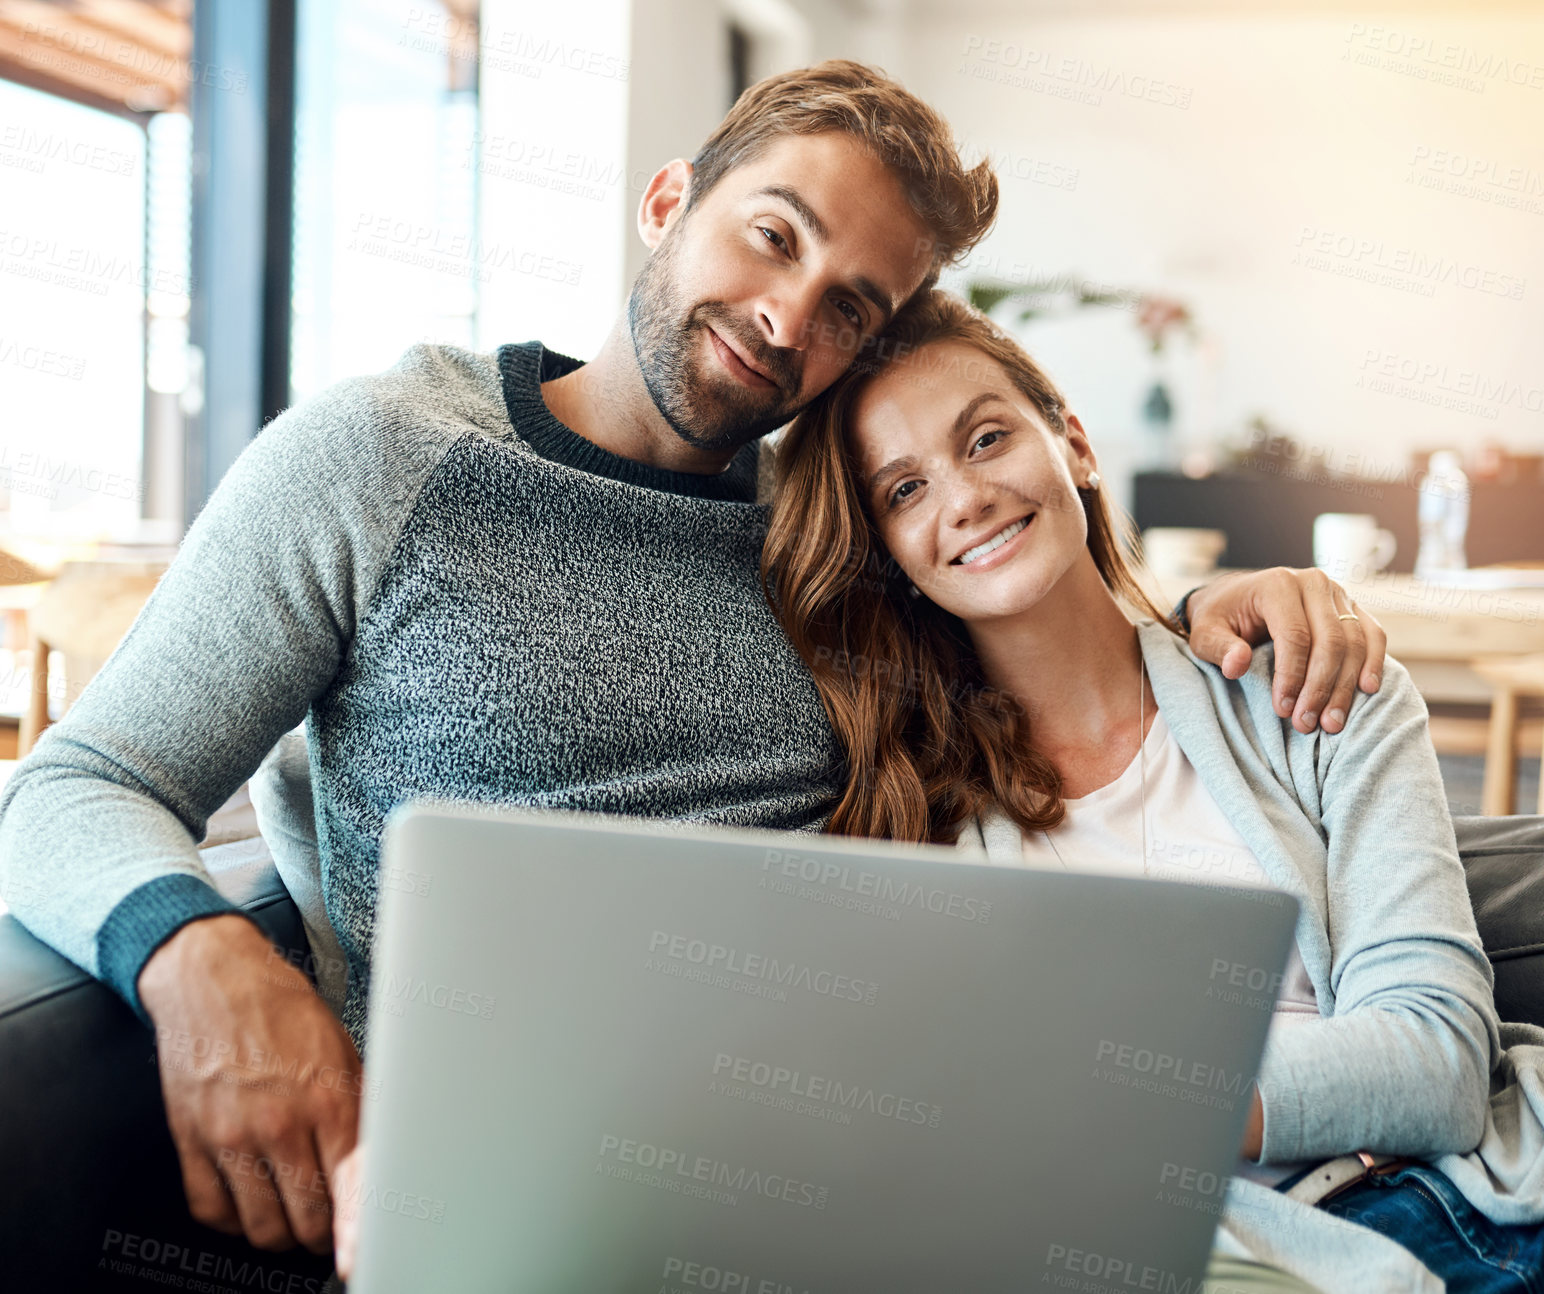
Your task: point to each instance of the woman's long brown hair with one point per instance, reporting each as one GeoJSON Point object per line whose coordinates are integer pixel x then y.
{"type": "Point", "coordinates": [927, 741]}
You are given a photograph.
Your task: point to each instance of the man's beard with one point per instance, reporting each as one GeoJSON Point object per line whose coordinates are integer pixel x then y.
{"type": "Point", "coordinates": [709, 414]}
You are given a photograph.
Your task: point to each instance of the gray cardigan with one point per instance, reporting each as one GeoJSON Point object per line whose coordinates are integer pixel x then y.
{"type": "Point", "coordinates": [1408, 1056]}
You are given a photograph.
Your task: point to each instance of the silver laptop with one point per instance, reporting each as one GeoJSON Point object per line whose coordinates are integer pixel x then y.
{"type": "Point", "coordinates": [610, 1056]}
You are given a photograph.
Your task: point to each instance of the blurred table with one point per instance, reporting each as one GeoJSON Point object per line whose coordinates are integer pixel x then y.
{"type": "Point", "coordinates": [1512, 678]}
{"type": "Point", "coordinates": [1437, 631]}
{"type": "Point", "coordinates": [22, 583]}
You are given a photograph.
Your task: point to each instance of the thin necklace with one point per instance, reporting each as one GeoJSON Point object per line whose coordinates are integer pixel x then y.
{"type": "Point", "coordinates": [1141, 764]}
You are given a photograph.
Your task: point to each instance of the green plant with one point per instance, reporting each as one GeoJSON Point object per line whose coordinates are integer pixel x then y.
{"type": "Point", "coordinates": [1157, 316]}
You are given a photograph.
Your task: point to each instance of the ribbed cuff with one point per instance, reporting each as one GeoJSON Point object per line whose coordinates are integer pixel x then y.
{"type": "Point", "coordinates": [145, 919]}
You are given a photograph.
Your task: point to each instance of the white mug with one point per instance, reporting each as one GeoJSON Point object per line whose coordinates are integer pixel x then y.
{"type": "Point", "coordinates": [1182, 552]}
{"type": "Point", "coordinates": [1349, 545]}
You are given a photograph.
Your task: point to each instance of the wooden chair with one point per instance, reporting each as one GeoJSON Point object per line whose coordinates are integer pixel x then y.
{"type": "Point", "coordinates": [84, 614]}
{"type": "Point", "coordinates": [1511, 678]}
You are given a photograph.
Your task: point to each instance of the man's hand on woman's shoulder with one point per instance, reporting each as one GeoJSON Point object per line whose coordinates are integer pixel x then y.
{"type": "Point", "coordinates": [1326, 647]}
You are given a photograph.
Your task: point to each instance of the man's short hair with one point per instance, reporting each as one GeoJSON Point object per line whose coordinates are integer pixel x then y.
{"type": "Point", "coordinates": [957, 206]}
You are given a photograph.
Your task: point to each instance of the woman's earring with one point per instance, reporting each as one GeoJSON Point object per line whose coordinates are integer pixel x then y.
{"type": "Point", "coordinates": [1093, 480]}
{"type": "Point", "coordinates": [915, 591]}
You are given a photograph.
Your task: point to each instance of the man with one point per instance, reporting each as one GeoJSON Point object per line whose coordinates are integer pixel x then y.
{"type": "Point", "coordinates": [513, 578]}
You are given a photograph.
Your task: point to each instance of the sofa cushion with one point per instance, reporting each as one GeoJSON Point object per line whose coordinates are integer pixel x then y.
{"type": "Point", "coordinates": [1504, 864]}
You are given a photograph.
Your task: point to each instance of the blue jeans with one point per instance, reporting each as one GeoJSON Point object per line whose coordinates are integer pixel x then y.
{"type": "Point", "coordinates": [1420, 1209]}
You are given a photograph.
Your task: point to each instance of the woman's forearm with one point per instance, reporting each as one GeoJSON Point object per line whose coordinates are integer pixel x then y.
{"type": "Point", "coordinates": [1394, 1080]}
{"type": "Point", "coordinates": [1401, 1061]}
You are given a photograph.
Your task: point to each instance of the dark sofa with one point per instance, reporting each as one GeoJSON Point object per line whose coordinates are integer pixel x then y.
{"type": "Point", "coordinates": [90, 1189]}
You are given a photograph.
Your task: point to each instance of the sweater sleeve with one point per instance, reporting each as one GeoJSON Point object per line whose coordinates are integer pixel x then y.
{"type": "Point", "coordinates": [99, 823]}
{"type": "Point", "coordinates": [1402, 1065]}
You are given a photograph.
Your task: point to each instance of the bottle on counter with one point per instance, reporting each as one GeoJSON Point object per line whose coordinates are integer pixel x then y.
{"type": "Point", "coordinates": [1443, 514]}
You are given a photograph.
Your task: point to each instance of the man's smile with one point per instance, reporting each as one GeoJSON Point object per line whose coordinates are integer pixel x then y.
{"type": "Point", "coordinates": [739, 366]}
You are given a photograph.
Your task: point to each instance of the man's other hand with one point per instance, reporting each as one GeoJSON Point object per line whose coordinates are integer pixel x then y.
{"type": "Point", "coordinates": [262, 1083]}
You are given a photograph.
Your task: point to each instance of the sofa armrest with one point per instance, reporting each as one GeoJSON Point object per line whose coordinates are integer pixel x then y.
{"type": "Point", "coordinates": [91, 1196]}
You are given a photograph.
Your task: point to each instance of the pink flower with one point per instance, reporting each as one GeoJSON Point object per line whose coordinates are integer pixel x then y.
{"type": "Point", "coordinates": [1156, 316]}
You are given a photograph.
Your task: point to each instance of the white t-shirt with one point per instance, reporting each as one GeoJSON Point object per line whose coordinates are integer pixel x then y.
{"type": "Point", "coordinates": [1188, 839]}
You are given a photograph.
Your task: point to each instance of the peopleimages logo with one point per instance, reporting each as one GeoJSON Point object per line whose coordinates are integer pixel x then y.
{"type": "Point", "coordinates": [787, 1085]}
{"type": "Point", "coordinates": [31, 256]}
{"type": "Point", "coordinates": [1037, 69]}
{"type": "Point", "coordinates": [1438, 382]}
{"type": "Point", "coordinates": [540, 50]}
{"type": "Point", "coordinates": [1363, 257]}
{"type": "Point", "coordinates": [1116, 1273]}
{"type": "Point", "coordinates": [861, 884]}
{"type": "Point", "coordinates": [689, 1275]}
{"type": "Point", "coordinates": [1192, 1188]}
{"type": "Point", "coordinates": [57, 148]}
{"type": "Point", "coordinates": [1430, 59]}
{"type": "Point", "coordinates": [165, 1263]}
{"type": "Point", "coordinates": [1144, 1069]}
{"type": "Point", "coordinates": [668, 1164]}
{"type": "Point", "coordinates": [1236, 977]}
{"type": "Point", "coordinates": [713, 957]}
{"type": "Point", "coordinates": [407, 988]}
{"type": "Point", "coordinates": [1144, 1060]}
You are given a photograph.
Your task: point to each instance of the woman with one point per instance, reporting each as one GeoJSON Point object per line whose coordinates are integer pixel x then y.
{"type": "Point", "coordinates": [939, 518]}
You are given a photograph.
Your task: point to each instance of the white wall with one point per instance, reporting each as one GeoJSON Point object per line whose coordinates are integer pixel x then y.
{"type": "Point", "coordinates": [554, 90]}
{"type": "Point", "coordinates": [567, 154]}
{"type": "Point", "coordinates": [679, 90]}
{"type": "Point", "coordinates": [1260, 127]}
{"type": "Point", "coordinates": [1264, 136]}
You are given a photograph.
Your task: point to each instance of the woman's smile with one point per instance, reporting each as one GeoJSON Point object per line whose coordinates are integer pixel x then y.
{"type": "Point", "coordinates": [997, 548]}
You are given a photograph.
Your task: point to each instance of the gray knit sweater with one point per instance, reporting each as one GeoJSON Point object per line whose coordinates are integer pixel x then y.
{"type": "Point", "coordinates": [464, 600]}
